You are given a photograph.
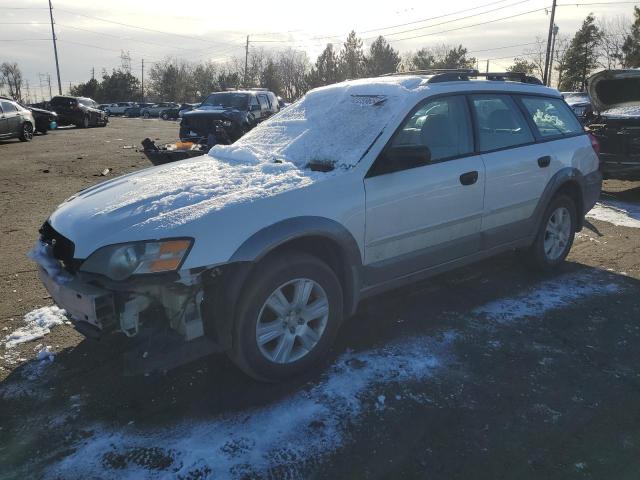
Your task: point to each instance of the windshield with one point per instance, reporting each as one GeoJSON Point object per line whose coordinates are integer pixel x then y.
{"type": "Point", "coordinates": [331, 125]}
{"type": "Point", "coordinates": [227, 100]}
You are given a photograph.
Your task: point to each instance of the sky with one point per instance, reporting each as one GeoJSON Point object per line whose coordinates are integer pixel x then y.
{"type": "Point", "coordinates": [92, 34]}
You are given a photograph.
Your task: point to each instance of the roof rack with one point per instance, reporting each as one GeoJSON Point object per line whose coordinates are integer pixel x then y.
{"type": "Point", "coordinates": [439, 75]}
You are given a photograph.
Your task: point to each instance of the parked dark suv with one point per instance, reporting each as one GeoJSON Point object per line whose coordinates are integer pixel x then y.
{"type": "Point", "coordinates": [79, 111]}
{"type": "Point", "coordinates": [228, 115]}
{"type": "Point", "coordinates": [615, 95]}
{"type": "Point", "coordinates": [15, 121]}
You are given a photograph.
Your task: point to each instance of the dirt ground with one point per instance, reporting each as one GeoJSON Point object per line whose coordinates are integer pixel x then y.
{"type": "Point", "coordinates": [529, 376]}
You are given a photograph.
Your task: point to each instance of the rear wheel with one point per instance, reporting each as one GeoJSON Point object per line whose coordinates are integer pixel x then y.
{"type": "Point", "coordinates": [146, 115]}
{"type": "Point", "coordinates": [26, 135]}
{"type": "Point", "coordinates": [288, 317]}
{"type": "Point", "coordinates": [555, 236]}
{"type": "Point", "coordinates": [165, 116]}
{"type": "Point", "coordinates": [84, 123]}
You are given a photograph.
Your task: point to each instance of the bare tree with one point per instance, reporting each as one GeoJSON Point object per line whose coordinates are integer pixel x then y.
{"type": "Point", "coordinates": [560, 56]}
{"type": "Point", "coordinates": [293, 66]}
{"type": "Point", "coordinates": [536, 54]}
{"type": "Point", "coordinates": [613, 31]}
{"type": "Point", "coordinates": [11, 78]}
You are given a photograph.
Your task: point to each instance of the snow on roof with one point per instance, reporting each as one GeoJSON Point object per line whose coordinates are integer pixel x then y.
{"type": "Point", "coordinates": [334, 124]}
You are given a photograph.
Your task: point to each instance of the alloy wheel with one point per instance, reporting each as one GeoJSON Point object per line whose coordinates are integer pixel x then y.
{"type": "Point", "coordinates": [292, 321]}
{"type": "Point", "coordinates": [557, 233]}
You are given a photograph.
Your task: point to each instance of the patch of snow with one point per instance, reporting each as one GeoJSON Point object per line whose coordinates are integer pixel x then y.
{"type": "Point", "coordinates": [45, 354]}
{"type": "Point", "coordinates": [184, 191]}
{"type": "Point", "coordinates": [281, 437]}
{"type": "Point", "coordinates": [547, 296]}
{"type": "Point", "coordinates": [335, 124]}
{"type": "Point", "coordinates": [622, 214]}
{"type": "Point", "coordinates": [38, 324]}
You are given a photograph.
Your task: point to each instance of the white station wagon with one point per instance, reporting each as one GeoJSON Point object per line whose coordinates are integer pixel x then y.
{"type": "Point", "coordinates": [261, 248]}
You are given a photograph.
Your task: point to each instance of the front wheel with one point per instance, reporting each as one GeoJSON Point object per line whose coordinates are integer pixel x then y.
{"type": "Point", "coordinates": [146, 115]}
{"type": "Point", "coordinates": [26, 135]}
{"type": "Point", "coordinates": [165, 116]}
{"type": "Point", "coordinates": [288, 317]}
{"type": "Point", "coordinates": [555, 235]}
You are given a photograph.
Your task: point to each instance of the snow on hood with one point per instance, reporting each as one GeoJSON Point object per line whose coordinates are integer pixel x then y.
{"type": "Point", "coordinates": [179, 192]}
{"type": "Point", "coordinates": [333, 125]}
{"type": "Point", "coordinates": [614, 88]}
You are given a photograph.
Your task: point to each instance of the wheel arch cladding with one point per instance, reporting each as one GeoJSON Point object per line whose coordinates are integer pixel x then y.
{"type": "Point", "coordinates": [569, 181]}
{"type": "Point", "coordinates": [318, 236]}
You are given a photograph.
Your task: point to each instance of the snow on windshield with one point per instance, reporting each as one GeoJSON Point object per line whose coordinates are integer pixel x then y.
{"type": "Point", "coordinates": [333, 125]}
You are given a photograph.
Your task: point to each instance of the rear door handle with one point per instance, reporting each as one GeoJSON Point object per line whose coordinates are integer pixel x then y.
{"type": "Point", "coordinates": [544, 161]}
{"type": "Point", "coordinates": [469, 178]}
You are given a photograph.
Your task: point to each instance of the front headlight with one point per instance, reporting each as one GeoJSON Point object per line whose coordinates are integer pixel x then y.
{"type": "Point", "coordinates": [226, 123]}
{"type": "Point", "coordinates": [119, 262]}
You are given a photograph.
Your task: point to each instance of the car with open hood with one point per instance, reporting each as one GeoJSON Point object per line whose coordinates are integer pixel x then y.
{"type": "Point", "coordinates": [261, 248]}
{"type": "Point", "coordinates": [615, 95]}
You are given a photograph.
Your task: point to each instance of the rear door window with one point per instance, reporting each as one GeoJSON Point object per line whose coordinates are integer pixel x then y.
{"type": "Point", "coordinates": [552, 116]}
{"type": "Point", "coordinates": [264, 103]}
{"type": "Point", "coordinates": [499, 122]}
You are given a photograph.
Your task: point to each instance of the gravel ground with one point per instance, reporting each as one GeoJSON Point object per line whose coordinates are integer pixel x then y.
{"type": "Point", "coordinates": [519, 375]}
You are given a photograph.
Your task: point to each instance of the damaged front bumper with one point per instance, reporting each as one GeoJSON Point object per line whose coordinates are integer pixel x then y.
{"type": "Point", "coordinates": [619, 149]}
{"type": "Point", "coordinates": [161, 314]}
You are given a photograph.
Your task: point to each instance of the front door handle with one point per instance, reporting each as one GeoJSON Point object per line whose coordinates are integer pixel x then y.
{"type": "Point", "coordinates": [544, 161]}
{"type": "Point", "coordinates": [469, 178]}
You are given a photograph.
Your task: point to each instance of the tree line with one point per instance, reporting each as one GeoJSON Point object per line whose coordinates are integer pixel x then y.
{"type": "Point", "coordinates": [290, 73]}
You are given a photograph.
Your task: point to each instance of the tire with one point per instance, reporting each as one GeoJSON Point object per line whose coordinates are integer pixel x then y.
{"type": "Point", "coordinates": [85, 122]}
{"type": "Point", "coordinates": [309, 339]}
{"type": "Point", "coordinates": [164, 116]}
{"type": "Point", "coordinates": [555, 235]}
{"type": "Point", "coordinates": [107, 112]}
{"type": "Point", "coordinates": [146, 115]}
{"type": "Point", "coordinates": [26, 134]}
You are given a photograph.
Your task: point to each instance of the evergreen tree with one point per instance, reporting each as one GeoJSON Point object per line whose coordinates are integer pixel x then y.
{"type": "Point", "coordinates": [382, 58]}
{"type": "Point", "coordinates": [326, 70]}
{"type": "Point", "coordinates": [455, 57]}
{"type": "Point", "coordinates": [270, 78]}
{"type": "Point", "coordinates": [581, 58]}
{"type": "Point", "coordinates": [631, 45]}
{"type": "Point", "coordinates": [424, 59]}
{"type": "Point", "coordinates": [521, 65]}
{"type": "Point", "coordinates": [352, 57]}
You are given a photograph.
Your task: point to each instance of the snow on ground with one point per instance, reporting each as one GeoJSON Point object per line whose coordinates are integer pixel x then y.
{"type": "Point", "coordinates": [622, 214]}
{"type": "Point", "coordinates": [547, 296]}
{"type": "Point", "coordinates": [299, 430]}
{"type": "Point", "coordinates": [305, 428]}
{"type": "Point", "coordinates": [38, 324]}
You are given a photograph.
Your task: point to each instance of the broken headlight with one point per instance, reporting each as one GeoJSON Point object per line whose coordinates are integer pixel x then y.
{"type": "Point", "coordinates": [120, 261]}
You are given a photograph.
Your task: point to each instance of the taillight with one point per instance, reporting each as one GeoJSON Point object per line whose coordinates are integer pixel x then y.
{"type": "Point", "coordinates": [595, 143]}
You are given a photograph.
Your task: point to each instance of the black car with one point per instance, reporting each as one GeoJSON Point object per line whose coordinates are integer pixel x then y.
{"type": "Point", "coordinates": [174, 113]}
{"type": "Point", "coordinates": [45, 119]}
{"type": "Point", "coordinates": [79, 111]}
{"type": "Point", "coordinates": [15, 120]}
{"type": "Point", "coordinates": [580, 103]}
{"type": "Point", "coordinates": [225, 116]}
{"type": "Point", "coordinates": [136, 110]}
{"type": "Point", "coordinates": [615, 95]}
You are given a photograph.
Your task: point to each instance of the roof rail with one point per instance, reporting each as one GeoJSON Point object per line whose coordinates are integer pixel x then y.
{"type": "Point", "coordinates": [457, 74]}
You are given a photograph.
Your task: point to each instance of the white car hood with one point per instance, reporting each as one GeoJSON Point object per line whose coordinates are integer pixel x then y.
{"type": "Point", "coordinates": [610, 89]}
{"type": "Point", "coordinates": [169, 200]}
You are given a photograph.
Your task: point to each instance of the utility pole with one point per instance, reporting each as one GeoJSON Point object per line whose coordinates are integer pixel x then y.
{"type": "Point", "coordinates": [93, 73]}
{"type": "Point", "coordinates": [487, 65]}
{"type": "Point", "coordinates": [49, 81]}
{"type": "Point", "coordinates": [55, 47]}
{"type": "Point", "coordinates": [584, 71]}
{"type": "Point", "coordinates": [553, 48]}
{"type": "Point", "coordinates": [246, 61]}
{"type": "Point", "coordinates": [545, 77]}
{"type": "Point", "coordinates": [143, 80]}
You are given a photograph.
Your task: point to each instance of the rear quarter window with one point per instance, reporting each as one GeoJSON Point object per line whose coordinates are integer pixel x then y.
{"type": "Point", "coordinates": [552, 116]}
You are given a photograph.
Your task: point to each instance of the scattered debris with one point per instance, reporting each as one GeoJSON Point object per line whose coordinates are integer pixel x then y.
{"type": "Point", "coordinates": [46, 170]}
{"type": "Point", "coordinates": [105, 172]}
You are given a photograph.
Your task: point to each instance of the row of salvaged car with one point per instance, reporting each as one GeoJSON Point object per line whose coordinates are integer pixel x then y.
{"type": "Point", "coordinates": [23, 121]}
{"type": "Point", "coordinates": [164, 110]}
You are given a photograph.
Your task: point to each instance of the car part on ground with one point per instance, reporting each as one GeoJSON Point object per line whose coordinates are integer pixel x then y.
{"type": "Point", "coordinates": [79, 111]}
{"type": "Point", "coordinates": [228, 115]}
{"type": "Point", "coordinates": [16, 121]}
{"type": "Point", "coordinates": [256, 249]}
{"type": "Point", "coordinates": [616, 125]}
{"type": "Point", "coordinates": [172, 152]}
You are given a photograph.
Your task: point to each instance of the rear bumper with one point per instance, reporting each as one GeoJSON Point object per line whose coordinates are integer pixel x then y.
{"type": "Point", "coordinates": [591, 190]}
{"type": "Point", "coordinates": [622, 167]}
